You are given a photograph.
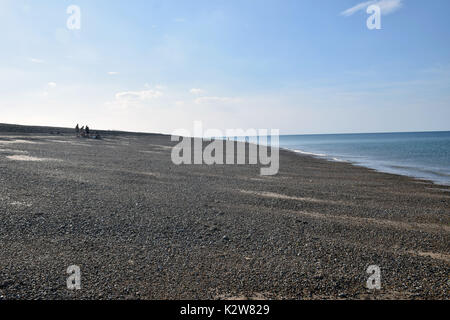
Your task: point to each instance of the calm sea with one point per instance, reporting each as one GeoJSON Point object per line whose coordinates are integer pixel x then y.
{"type": "Point", "coordinates": [423, 155]}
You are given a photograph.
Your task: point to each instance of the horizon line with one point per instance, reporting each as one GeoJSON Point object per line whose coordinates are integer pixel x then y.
{"type": "Point", "coordinates": [291, 134]}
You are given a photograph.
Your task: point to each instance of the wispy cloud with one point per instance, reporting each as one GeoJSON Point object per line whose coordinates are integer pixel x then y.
{"type": "Point", "coordinates": [196, 91]}
{"type": "Point", "coordinates": [50, 86]}
{"type": "Point", "coordinates": [138, 95]}
{"type": "Point", "coordinates": [214, 100]}
{"type": "Point", "coordinates": [128, 99]}
{"type": "Point", "coordinates": [34, 60]}
{"type": "Point", "coordinates": [358, 7]}
{"type": "Point", "coordinates": [386, 6]}
{"type": "Point", "coordinates": [113, 73]}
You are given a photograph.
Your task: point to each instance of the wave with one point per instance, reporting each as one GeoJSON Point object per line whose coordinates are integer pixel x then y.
{"type": "Point", "coordinates": [427, 171]}
{"type": "Point", "coordinates": [321, 155]}
{"type": "Point", "coordinates": [310, 153]}
{"type": "Point", "coordinates": [339, 160]}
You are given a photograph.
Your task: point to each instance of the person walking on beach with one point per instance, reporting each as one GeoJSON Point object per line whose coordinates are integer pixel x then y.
{"type": "Point", "coordinates": [87, 131]}
{"type": "Point", "coordinates": [77, 130]}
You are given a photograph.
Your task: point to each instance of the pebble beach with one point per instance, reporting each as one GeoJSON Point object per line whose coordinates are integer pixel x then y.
{"type": "Point", "coordinates": [141, 227]}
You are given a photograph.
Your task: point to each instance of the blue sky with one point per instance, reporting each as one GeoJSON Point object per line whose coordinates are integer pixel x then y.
{"type": "Point", "coordinates": [299, 66]}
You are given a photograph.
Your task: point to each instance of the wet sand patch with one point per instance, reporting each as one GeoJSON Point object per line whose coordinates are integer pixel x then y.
{"type": "Point", "coordinates": [13, 151]}
{"type": "Point", "coordinates": [144, 173]}
{"type": "Point", "coordinates": [79, 144]}
{"type": "Point", "coordinates": [359, 221]}
{"type": "Point", "coordinates": [148, 151]}
{"type": "Point", "coordinates": [18, 141]}
{"type": "Point", "coordinates": [58, 141]}
{"type": "Point", "coordinates": [71, 142]}
{"type": "Point", "coordinates": [158, 146]}
{"type": "Point", "coordinates": [286, 197]}
{"type": "Point", "coordinates": [432, 255]}
{"type": "Point", "coordinates": [29, 158]}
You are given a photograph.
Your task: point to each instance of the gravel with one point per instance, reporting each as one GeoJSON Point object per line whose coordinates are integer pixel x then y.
{"type": "Point", "coordinates": [140, 227]}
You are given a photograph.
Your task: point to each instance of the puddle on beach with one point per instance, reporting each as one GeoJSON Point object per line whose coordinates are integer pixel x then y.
{"type": "Point", "coordinates": [18, 157]}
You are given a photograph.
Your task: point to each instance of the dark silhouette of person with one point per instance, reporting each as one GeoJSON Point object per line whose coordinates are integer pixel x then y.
{"type": "Point", "coordinates": [87, 130]}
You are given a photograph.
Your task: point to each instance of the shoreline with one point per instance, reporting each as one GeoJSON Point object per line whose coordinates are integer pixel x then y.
{"type": "Point", "coordinates": [329, 158]}
{"type": "Point", "coordinates": [64, 130]}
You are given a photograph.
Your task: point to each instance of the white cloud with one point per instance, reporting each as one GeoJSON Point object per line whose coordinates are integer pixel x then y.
{"type": "Point", "coordinates": [112, 73]}
{"type": "Point", "coordinates": [389, 6]}
{"type": "Point", "coordinates": [50, 86]}
{"type": "Point", "coordinates": [157, 87]}
{"type": "Point", "coordinates": [34, 60]}
{"type": "Point", "coordinates": [138, 95]}
{"type": "Point", "coordinates": [196, 91]}
{"type": "Point", "coordinates": [127, 99]}
{"type": "Point", "coordinates": [358, 7]}
{"type": "Point", "coordinates": [213, 100]}
{"type": "Point", "coordinates": [386, 6]}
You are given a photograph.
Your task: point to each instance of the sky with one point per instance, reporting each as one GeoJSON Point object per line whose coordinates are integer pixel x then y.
{"type": "Point", "coordinates": [302, 67]}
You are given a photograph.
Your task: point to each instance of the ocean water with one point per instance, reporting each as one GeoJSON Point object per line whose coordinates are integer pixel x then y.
{"type": "Point", "coordinates": [423, 155]}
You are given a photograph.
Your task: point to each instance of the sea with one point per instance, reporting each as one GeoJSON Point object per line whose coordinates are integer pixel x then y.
{"type": "Point", "coordinates": [423, 155]}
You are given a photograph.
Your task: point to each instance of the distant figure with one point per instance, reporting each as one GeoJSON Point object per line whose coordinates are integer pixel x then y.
{"type": "Point", "coordinates": [77, 130]}
{"type": "Point", "coordinates": [87, 131]}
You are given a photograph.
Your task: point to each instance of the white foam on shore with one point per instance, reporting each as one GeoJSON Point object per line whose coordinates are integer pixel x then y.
{"type": "Point", "coordinates": [320, 155]}
{"type": "Point", "coordinates": [338, 160]}
{"type": "Point", "coordinates": [310, 153]}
